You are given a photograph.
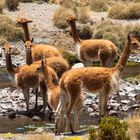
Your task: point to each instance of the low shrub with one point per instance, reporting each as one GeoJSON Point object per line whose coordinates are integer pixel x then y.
{"type": "Point", "coordinates": [111, 128]}
{"type": "Point", "coordinates": [2, 4]}
{"type": "Point", "coordinates": [83, 14]}
{"type": "Point", "coordinates": [12, 5]}
{"type": "Point", "coordinates": [85, 31]}
{"type": "Point", "coordinates": [27, 0]}
{"type": "Point", "coordinates": [134, 29]}
{"type": "Point", "coordinates": [68, 3]}
{"type": "Point", "coordinates": [92, 133]}
{"type": "Point", "coordinates": [60, 17]}
{"type": "Point", "coordinates": [99, 5]}
{"type": "Point", "coordinates": [136, 0]}
{"type": "Point", "coordinates": [122, 11]}
{"type": "Point", "coordinates": [134, 126]}
{"type": "Point", "coordinates": [70, 57]}
{"type": "Point", "coordinates": [8, 30]}
{"type": "Point", "coordinates": [111, 31]}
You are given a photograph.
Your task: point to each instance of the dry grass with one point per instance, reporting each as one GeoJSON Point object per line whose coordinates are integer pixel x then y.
{"type": "Point", "coordinates": [83, 14]}
{"type": "Point", "coordinates": [99, 5]}
{"type": "Point", "coordinates": [135, 29]}
{"type": "Point", "coordinates": [85, 31]}
{"type": "Point", "coordinates": [2, 4]}
{"type": "Point", "coordinates": [68, 3]}
{"type": "Point", "coordinates": [27, 0]}
{"type": "Point", "coordinates": [108, 30]}
{"type": "Point", "coordinates": [123, 11]}
{"type": "Point", "coordinates": [134, 127]}
{"type": "Point", "coordinates": [12, 5]}
{"type": "Point", "coordinates": [136, 0]}
{"type": "Point", "coordinates": [8, 31]}
{"type": "Point", "coordinates": [43, 136]}
{"type": "Point", "coordinates": [71, 8]}
{"type": "Point", "coordinates": [60, 16]}
{"type": "Point", "coordinates": [46, 136]}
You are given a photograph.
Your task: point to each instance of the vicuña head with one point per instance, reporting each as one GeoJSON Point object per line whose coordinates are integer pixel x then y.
{"type": "Point", "coordinates": [91, 50]}
{"type": "Point", "coordinates": [7, 48]}
{"type": "Point", "coordinates": [101, 80]}
{"type": "Point", "coordinates": [22, 21]}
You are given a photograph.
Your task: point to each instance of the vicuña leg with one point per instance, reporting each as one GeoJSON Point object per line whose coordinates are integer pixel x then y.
{"type": "Point", "coordinates": [74, 90]}
{"type": "Point", "coordinates": [43, 90]}
{"type": "Point", "coordinates": [26, 96]}
{"type": "Point", "coordinates": [105, 98]}
{"type": "Point", "coordinates": [61, 108]}
{"type": "Point", "coordinates": [36, 98]}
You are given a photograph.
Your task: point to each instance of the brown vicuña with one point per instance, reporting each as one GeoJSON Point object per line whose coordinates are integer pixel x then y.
{"type": "Point", "coordinates": [53, 95]}
{"type": "Point", "coordinates": [26, 77]}
{"type": "Point", "coordinates": [103, 80]}
{"type": "Point", "coordinates": [38, 50]}
{"type": "Point", "coordinates": [59, 64]}
{"type": "Point", "coordinates": [92, 50]}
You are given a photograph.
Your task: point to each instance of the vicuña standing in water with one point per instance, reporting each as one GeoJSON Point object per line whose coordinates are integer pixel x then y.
{"type": "Point", "coordinates": [105, 81]}
{"type": "Point", "coordinates": [38, 50]}
{"type": "Point", "coordinates": [26, 77]}
{"type": "Point", "coordinates": [53, 94]}
{"type": "Point", "coordinates": [92, 50]}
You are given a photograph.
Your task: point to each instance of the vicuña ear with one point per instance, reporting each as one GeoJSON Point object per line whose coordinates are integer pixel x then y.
{"type": "Point", "coordinates": [32, 39]}
{"type": "Point", "coordinates": [23, 40]}
{"type": "Point", "coordinates": [42, 62]}
{"type": "Point", "coordinates": [129, 37]}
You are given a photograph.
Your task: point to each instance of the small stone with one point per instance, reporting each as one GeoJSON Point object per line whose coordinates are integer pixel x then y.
{"type": "Point", "coordinates": [125, 108]}
{"type": "Point", "coordinates": [94, 114]}
{"type": "Point", "coordinates": [39, 130]}
{"type": "Point", "coordinates": [125, 101]}
{"type": "Point", "coordinates": [36, 118]}
{"type": "Point", "coordinates": [90, 109]}
{"type": "Point", "coordinates": [113, 113]}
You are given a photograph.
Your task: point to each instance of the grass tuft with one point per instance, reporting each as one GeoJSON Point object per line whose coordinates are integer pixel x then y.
{"type": "Point", "coordinates": [99, 5]}
{"type": "Point", "coordinates": [2, 4]}
{"type": "Point", "coordinates": [8, 30]}
{"type": "Point", "coordinates": [122, 11]}
{"type": "Point", "coordinates": [60, 17]}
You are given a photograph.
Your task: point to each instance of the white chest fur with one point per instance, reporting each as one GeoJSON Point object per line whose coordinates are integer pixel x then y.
{"type": "Point", "coordinates": [77, 46]}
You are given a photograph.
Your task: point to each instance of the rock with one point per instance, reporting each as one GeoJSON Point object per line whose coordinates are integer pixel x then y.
{"type": "Point", "coordinates": [90, 110]}
{"type": "Point", "coordinates": [125, 101]}
{"type": "Point", "coordinates": [39, 130]}
{"type": "Point", "coordinates": [113, 113]}
{"type": "Point", "coordinates": [36, 118]}
{"type": "Point", "coordinates": [125, 108]}
{"type": "Point", "coordinates": [94, 114]}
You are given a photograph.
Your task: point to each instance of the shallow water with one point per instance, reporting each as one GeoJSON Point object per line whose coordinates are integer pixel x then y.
{"type": "Point", "coordinates": [11, 125]}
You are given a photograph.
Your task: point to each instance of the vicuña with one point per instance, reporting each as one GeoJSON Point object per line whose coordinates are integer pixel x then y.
{"type": "Point", "coordinates": [92, 50]}
{"type": "Point", "coordinates": [26, 77]}
{"type": "Point", "coordinates": [103, 80]}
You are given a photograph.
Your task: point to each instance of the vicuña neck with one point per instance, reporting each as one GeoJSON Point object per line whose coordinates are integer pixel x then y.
{"type": "Point", "coordinates": [124, 57]}
{"type": "Point", "coordinates": [74, 33]}
{"type": "Point", "coordinates": [26, 32]}
{"type": "Point", "coordinates": [9, 65]}
{"type": "Point", "coordinates": [48, 80]}
{"type": "Point", "coordinates": [29, 60]}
